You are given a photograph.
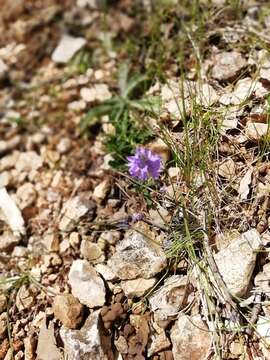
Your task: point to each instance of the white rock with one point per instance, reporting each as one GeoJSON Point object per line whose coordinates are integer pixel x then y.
{"type": "Point", "coordinates": [8, 145]}
{"type": "Point", "coordinates": [243, 90]}
{"type": "Point", "coordinates": [243, 190]}
{"type": "Point", "coordinates": [263, 328]}
{"type": "Point", "coordinates": [101, 190]}
{"type": "Point", "coordinates": [26, 195]}
{"type": "Point", "coordinates": [86, 342]}
{"type": "Point", "coordinates": [88, 94]}
{"type": "Point", "coordinates": [236, 262]}
{"type": "Point", "coordinates": [227, 65]}
{"type": "Point", "coordinates": [64, 145]}
{"type": "Point", "coordinates": [86, 284]}
{"type": "Point", "coordinates": [77, 105]}
{"type": "Point", "coordinates": [10, 213]}
{"type": "Point", "coordinates": [5, 179]}
{"type": "Point", "coordinates": [106, 272]}
{"type": "Point", "coordinates": [28, 161]}
{"type": "Point", "coordinates": [9, 161]}
{"type": "Point", "coordinates": [255, 131]}
{"type": "Point", "coordinates": [170, 298]}
{"type": "Point", "coordinates": [206, 95]}
{"type": "Point", "coordinates": [159, 342]}
{"type": "Point", "coordinates": [46, 347]}
{"type": "Point", "coordinates": [91, 251]}
{"type": "Point", "coordinates": [67, 47]}
{"type": "Point", "coordinates": [137, 287]}
{"type": "Point", "coordinates": [172, 95]}
{"type": "Point", "coordinates": [73, 211]}
{"type": "Point", "coordinates": [190, 338]}
{"type": "Point", "coordinates": [99, 92]}
{"type": "Point", "coordinates": [136, 256]}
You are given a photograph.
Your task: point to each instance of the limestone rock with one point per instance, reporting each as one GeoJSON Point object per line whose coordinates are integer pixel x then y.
{"type": "Point", "coordinates": [74, 210]}
{"type": "Point", "coordinates": [170, 298]}
{"type": "Point", "coordinates": [85, 343]}
{"type": "Point", "coordinates": [263, 329]}
{"type": "Point", "coordinates": [24, 298]}
{"type": "Point", "coordinates": [206, 95]}
{"type": "Point", "coordinates": [10, 213]}
{"type": "Point", "coordinates": [64, 145]}
{"type": "Point", "coordinates": [68, 310]}
{"type": "Point", "coordinates": [26, 195]}
{"type": "Point", "coordinates": [236, 262]}
{"type": "Point", "coordinates": [86, 284]}
{"type": "Point", "coordinates": [29, 347]}
{"type": "Point", "coordinates": [46, 347]}
{"type": "Point", "coordinates": [99, 92]}
{"type": "Point", "coordinates": [28, 161]}
{"type": "Point", "coordinates": [227, 65]}
{"type": "Point", "coordinates": [106, 272]}
{"type": "Point", "coordinates": [91, 251]}
{"type": "Point", "coordinates": [137, 287]}
{"type": "Point", "coordinates": [67, 47]}
{"type": "Point", "coordinates": [159, 341]}
{"type": "Point", "coordinates": [101, 190]}
{"type": "Point", "coordinates": [190, 338]}
{"type": "Point", "coordinates": [8, 240]}
{"type": "Point", "coordinates": [255, 131]}
{"type": "Point", "coordinates": [136, 256]}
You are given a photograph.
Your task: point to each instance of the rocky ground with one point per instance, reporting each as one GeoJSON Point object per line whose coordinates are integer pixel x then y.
{"type": "Point", "coordinates": [95, 264]}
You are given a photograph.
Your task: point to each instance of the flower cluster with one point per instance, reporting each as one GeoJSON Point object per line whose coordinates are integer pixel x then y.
{"type": "Point", "coordinates": [144, 164]}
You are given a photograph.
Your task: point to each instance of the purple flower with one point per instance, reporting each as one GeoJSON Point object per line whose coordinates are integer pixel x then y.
{"type": "Point", "coordinates": [136, 217]}
{"type": "Point", "coordinates": [144, 164]}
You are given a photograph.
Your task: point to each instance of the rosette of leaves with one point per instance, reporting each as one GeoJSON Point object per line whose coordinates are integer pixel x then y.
{"type": "Point", "coordinates": [125, 111]}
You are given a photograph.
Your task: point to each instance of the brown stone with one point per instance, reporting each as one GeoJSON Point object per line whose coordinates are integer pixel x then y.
{"type": "Point", "coordinates": [68, 310]}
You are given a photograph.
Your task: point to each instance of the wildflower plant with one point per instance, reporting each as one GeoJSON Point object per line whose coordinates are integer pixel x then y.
{"type": "Point", "coordinates": [144, 164]}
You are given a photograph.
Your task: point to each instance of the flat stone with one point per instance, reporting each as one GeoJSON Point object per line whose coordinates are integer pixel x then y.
{"type": "Point", "coordinates": [91, 251]}
{"type": "Point", "coordinates": [86, 284]}
{"type": "Point", "coordinates": [237, 261]}
{"type": "Point", "coordinates": [255, 131]}
{"type": "Point", "coordinates": [159, 342]}
{"type": "Point", "coordinates": [74, 210]}
{"type": "Point", "coordinates": [64, 145]}
{"type": "Point", "coordinates": [28, 161]}
{"type": "Point", "coordinates": [190, 338]}
{"type": "Point", "coordinates": [46, 347]}
{"type": "Point", "coordinates": [170, 297]}
{"type": "Point", "coordinates": [68, 310]}
{"type": "Point", "coordinates": [24, 298]}
{"type": "Point", "coordinates": [136, 257]}
{"type": "Point", "coordinates": [67, 47]}
{"type": "Point", "coordinates": [101, 190]}
{"type": "Point", "coordinates": [86, 342]}
{"type": "Point", "coordinates": [106, 272]}
{"type": "Point", "coordinates": [227, 65]}
{"type": "Point", "coordinates": [137, 287]}
{"type": "Point", "coordinates": [26, 195]}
